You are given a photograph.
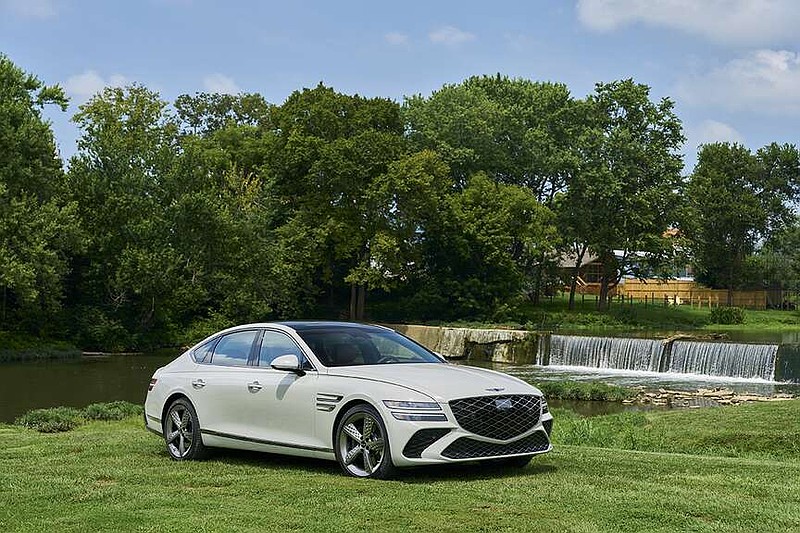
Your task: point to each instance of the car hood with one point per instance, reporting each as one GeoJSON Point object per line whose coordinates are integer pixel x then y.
{"type": "Point", "coordinates": [442, 382]}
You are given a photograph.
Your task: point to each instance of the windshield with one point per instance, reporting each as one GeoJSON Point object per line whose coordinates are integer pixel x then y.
{"type": "Point", "coordinates": [352, 346]}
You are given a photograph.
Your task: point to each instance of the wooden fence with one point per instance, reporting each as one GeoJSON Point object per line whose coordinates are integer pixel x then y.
{"type": "Point", "coordinates": [688, 293]}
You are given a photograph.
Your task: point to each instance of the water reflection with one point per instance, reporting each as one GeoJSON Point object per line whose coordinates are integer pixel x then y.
{"type": "Point", "coordinates": [75, 383]}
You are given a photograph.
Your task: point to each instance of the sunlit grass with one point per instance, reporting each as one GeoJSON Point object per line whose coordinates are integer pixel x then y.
{"type": "Point", "coordinates": [115, 476]}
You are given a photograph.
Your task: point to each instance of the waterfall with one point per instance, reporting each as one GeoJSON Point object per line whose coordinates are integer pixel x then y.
{"type": "Point", "coordinates": [682, 357]}
{"type": "Point", "coordinates": [606, 352]}
{"type": "Point", "coordinates": [724, 359]}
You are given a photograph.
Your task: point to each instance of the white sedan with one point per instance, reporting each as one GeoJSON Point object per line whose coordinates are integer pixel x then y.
{"type": "Point", "coordinates": [366, 396]}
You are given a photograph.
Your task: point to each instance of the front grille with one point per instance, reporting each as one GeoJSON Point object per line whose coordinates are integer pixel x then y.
{"type": "Point", "coordinates": [469, 448]}
{"type": "Point", "coordinates": [498, 417]}
{"type": "Point", "coordinates": [421, 440]}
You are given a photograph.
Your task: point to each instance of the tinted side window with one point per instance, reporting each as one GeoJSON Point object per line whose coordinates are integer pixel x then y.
{"type": "Point", "coordinates": [275, 344]}
{"type": "Point", "coordinates": [203, 353]}
{"type": "Point", "coordinates": [234, 349]}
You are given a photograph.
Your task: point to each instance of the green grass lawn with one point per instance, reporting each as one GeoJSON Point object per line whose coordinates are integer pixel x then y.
{"type": "Point", "coordinates": [114, 476]}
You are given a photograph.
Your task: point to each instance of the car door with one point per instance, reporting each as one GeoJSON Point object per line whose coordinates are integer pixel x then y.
{"type": "Point", "coordinates": [281, 405]}
{"type": "Point", "coordinates": [220, 383]}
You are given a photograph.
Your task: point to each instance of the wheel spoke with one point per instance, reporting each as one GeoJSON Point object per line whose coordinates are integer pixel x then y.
{"type": "Point", "coordinates": [352, 432]}
{"type": "Point", "coordinates": [368, 465]}
{"type": "Point", "coordinates": [185, 419]}
{"type": "Point", "coordinates": [176, 418]}
{"type": "Point", "coordinates": [375, 445]}
{"type": "Point", "coordinates": [181, 446]}
{"type": "Point", "coordinates": [172, 436]}
{"type": "Point", "coordinates": [352, 454]}
{"type": "Point", "coordinates": [369, 426]}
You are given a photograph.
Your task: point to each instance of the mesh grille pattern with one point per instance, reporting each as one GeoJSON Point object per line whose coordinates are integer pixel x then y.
{"type": "Point", "coordinates": [421, 440]}
{"type": "Point", "coordinates": [468, 448]}
{"type": "Point", "coordinates": [497, 417]}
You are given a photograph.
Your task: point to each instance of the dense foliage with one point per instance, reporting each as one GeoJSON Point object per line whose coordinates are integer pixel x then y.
{"type": "Point", "coordinates": [173, 220]}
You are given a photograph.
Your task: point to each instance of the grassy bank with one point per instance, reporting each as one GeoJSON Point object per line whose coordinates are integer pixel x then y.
{"type": "Point", "coordinates": [554, 314]}
{"type": "Point", "coordinates": [769, 431]}
{"type": "Point", "coordinates": [115, 476]}
{"type": "Point", "coordinates": [18, 347]}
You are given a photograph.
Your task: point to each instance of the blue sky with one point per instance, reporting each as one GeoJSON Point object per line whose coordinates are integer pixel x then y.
{"type": "Point", "coordinates": [732, 66]}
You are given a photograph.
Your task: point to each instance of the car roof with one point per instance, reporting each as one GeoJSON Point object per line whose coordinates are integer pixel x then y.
{"type": "Point", "coordinates": [307, 325]}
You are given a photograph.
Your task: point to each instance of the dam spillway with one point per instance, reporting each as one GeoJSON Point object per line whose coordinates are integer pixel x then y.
{"type": "Point", "coordinates": [687, 357]}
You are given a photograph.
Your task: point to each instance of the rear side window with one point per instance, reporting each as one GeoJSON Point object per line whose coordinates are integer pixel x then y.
{"type": "Point", "coordinates": [203, 353]}
{"type": "Point", "coordinates": [234, 349]}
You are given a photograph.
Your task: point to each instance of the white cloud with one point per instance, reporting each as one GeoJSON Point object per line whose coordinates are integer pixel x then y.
{"type": "Point", "coordinates": [396, 38]}
{"type": "Point", "coordinates": [37, 9]}
{"type": "Point", "coordinates": [763, 80]}
{"type": "Point", "coordinates": [220, 83]}
{"type": "Point", "coordinates": [450, 36]}
{"type": "Point", "coordinates": [712, 131]}
{"type": "Point", "coordinates": [755, 22]}
{"type": "Point", "coordinates": [85, 85]}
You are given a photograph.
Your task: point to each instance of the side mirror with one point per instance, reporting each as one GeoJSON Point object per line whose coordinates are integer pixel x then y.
{"type": "Point", "coordinates": [287, 363]}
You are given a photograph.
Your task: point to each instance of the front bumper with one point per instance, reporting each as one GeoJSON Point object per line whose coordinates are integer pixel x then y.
{"type": "Point", "coordinates": [421, 443]}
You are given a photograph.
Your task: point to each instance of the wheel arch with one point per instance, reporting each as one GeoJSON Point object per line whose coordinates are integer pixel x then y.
{"type": "Point", "coordinates": [340, 414]}
{"type": "Point", "coordinates": [170, 399]}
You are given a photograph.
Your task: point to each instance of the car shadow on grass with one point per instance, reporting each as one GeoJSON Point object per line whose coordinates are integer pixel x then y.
{"type": "Point", "coordinates": [469, 472]}
{"type": "Point", "coordinates": [420, 474]}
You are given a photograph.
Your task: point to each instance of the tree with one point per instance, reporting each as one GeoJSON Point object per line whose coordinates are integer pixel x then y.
{"type": "Point", "coordinates": [626, 189]}
{"type": "Point", "coordinates": [516, 131]}
{"type": "Point", "coordinates": [38, 229]}
{"type": "Point", "coordinates": [119, 179]}
{"type": "Point", "coordinates": [329, 149]}
{"type": "Point", "coordinates": [737, 200]}
{"type": "Point", "coordinates": [473, 262]}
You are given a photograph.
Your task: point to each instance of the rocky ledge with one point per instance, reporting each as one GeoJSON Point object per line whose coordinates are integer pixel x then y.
{"type": "Point", "coordinates": [701, 397]}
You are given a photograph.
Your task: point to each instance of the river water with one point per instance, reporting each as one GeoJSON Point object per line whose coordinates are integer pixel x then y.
{"type": "Point", "coordinates": [89, 379]}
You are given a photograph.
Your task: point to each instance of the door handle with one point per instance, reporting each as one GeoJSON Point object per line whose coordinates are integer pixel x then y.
{"type": "Point", "coordinates": [198, 384]}
{"type": "Point", "coordinates": [255, 386]}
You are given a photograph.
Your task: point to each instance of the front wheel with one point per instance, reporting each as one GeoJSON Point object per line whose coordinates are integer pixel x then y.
{"type": "Point", "coordinates": [182, 432]}
{"type": "Point", "coordinates": [361, 444]}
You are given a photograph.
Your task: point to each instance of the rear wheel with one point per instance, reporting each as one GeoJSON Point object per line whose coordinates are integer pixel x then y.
{"type": "Point", "coordinates": [182, 432]}
{"type": "Point", "coordinates": [361, 444]}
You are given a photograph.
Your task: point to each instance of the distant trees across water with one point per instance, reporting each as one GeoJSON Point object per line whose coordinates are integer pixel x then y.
{"type": "Point", "coordinates": [174, 219]}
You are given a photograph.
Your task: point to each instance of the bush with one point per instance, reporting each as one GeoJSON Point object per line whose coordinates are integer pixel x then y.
{"type": "Point", "coordinates": [727, 315]}
{"type": "Point", "coordinates": [52, 420]}
{"type": "Point", "coordinates": [56, 419]}
{"type": "Point", "coordinates": [590, 391]}
{"type": "Point", "coordinates": [112, 410]}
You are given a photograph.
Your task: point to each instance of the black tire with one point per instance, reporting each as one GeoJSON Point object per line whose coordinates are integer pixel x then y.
{"type": "Point", "coordinates": [181, 431]}
{"type": "Point", "coordinates": [361, 444]}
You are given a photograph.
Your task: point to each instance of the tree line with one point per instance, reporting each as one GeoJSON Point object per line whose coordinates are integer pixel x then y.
{"type": "Point", "coordinates": [174, 219]}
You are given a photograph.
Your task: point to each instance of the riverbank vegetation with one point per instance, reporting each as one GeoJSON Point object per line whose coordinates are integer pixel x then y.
{"type": "Point", "coordinates": [25, 347]}
{"type": "Point", "coordinates": [586, 391]}
{"type": "Point", "coordinates": [175, 219]}
{"type": "Point", "coordinates": [59, 419]}
{"type": "Point", "coordinates": [553, 314]}
{"type": "Point", "coordinates": [116, 476]}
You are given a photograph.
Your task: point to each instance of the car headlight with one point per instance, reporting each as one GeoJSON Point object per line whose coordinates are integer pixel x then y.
{"type": "Point", "coordinates": [420, 417]}
{"type": "Point", "coordinates": [398, 404]}
{"type": "Point", "coordinates": [545, 407]}
{"type": "Point", "coordinates": [416, 406]}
